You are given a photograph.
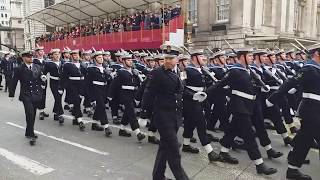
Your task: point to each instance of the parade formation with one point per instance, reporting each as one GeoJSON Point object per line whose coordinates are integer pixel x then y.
{"type": "Point", "coordinates": [229, 90]}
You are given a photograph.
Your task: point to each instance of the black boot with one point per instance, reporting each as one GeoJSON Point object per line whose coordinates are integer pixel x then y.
{"type": "Point", "coordinates": [274, 154]}
{"type": "Point", "coordinates": [287, 141]}
{"type": "Point", "coordinates": [96, 127]}
{"type": "Point", "coordinates": [295, 174]}
{"type": "Point", "coordinates": [124, 133]}
{"type": "Point", "coordinates": [108, 131]}
{"type": "Point", "coordinates": [264, 169]}
{"type": "Point", "coordinates": [81, 126]}
{"type": "Point", "coordinates": [193, 140]}
{"type": "Point", "coordinates": [190, 149]}
{"type": "Point", "coordinates": [212, 156]}
{"type": "Point", "coordinates": [116, 121]}
{"type": "Point", "coordinates": [75, 122]}
{"type": "Point", "coordinates": [237, 144]}
{"type": "Point", "coordinates": [294, 130]}
{"type": "Point", "coordinates": [212, 138]}
{"type": "Point", "coordinates": [153, 140]}
{"type": "Point", "coordinates": [225, 157]}
{"type": "Point", "coordinates": [140, 136]}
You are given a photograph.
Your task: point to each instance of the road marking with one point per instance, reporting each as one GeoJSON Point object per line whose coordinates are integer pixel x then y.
{"type": "Point", "coordinates": [26, 163]}
{"type": "Point", "coordinates": [64, 141]}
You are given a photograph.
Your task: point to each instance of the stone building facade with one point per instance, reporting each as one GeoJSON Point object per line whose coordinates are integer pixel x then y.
{"type": "Point", "coordinates": [260, 23]}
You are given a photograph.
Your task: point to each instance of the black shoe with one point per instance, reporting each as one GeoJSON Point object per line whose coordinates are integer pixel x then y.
{"type": "Point", "coordinates": [66, 107]}
{"type": "Point", "coordinates": [33, 141]}
{"type": "Point", "coordinates": [75, 122]}
{"type": "Point", "coordinates": [306, 161]}
{"type": "Point", "coordinates": [193, 140]}
{"type": "Point", "coordinates": [264, 169]}
{"type": "Point", "coordinates": [108, 131]}
{"type": "Point", "coordinates": [55, 117]}
{"type": "Point", "coordinates": [140, 136]}
{"type": "Point", "coordinates": [124, 133]}
{"type": "Point", "coordinates": [190, 149]}
{"type": "Point", "coordinates": [294, 130]}
{"type": "Point", "coordinates": [81, 126]}
{"type": "Point", "coordinates": [295, 174]}
{"type": "Point", "coordinates": [61, 120]}
{"type": "Point", "coordinates": [225, 157]}
{"type": "Point", "coordinates": [314, 145]}
{"type": "Point", "coordinates": [153, 140]}
{"type": "Point", "coordinates": [96, 127]}
{"type": "Point", "coordinates": [287, 141]}
{"type": "Point", "coordinates": [274, 154]}
{"type": "Point", "coordinates": [34, 136]}
{"type": "Point", "coordinates": [212, 138]}
{"type": "Point", "coordinates": [212, 156]}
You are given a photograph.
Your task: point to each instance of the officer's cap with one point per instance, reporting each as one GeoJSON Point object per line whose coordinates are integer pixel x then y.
{"type": "Point", "coordinates": [126, 56]}
{"type": "Point", "coordinates": [170, 51]}
{"type": "Point", "coordinates": [231, 54]}
{"type": "Point", "coordinates": [159, 57]}
{"type": "Point", "coordinates": [196, 52]}
{"type": "Point", "coordinates": [26, 53]}
{"type": "Point", "coordinates": [55, 50]}
{"type": "Point", "coordinates": [217, 54]}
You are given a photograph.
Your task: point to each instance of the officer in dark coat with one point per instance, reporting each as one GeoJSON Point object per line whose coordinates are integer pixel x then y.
{"type": "Point", "coordinates": [54, 68]}
{"type": "Point", "coordinates": [124, 85]}
{"type": "Point", "coordinates": [31, 89]}
{"type": "Point", "coordinates": [39, 60]}
{"type": "Point", "coordinates": [65, 57]}
{"type": "Point", "coordinates": [73, 78]}
{"type": "Point", "coordinates": [7, 68]}
{"type": "Point", "coordinates": [165, 93]}
{"type": "Point", "coordinates": [242, 102]}
{"type": "Point", "coordinates": [308, 80]}
{"type": "Point", "coordinates": [98, 80]}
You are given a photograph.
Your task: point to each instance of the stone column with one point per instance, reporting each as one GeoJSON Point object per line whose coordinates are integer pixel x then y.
{"type": "Point", "coordinates": [203, 18]}
{"type": "Point", "coordinates": [290, 17]}
{"type": "Point", "coordinates": [258, 15]}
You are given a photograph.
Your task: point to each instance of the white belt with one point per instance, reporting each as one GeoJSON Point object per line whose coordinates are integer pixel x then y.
{"type": "Point", "coordinates": [244, 95]}
{"type": "Point", "coordinates": [76, 78]}
{"type": "Point", "coordinates": [197, 89]}
{"type": "Point", "coordinates": [99, 83]}
{"type": "Point", "coordinates": [311, 96]}
{"type": "Point", "coordinates": [128, 87]}
{"type": "Point", "coordinates": [274, 87]}
{"type": "Point", "coordinates": [54, 78]}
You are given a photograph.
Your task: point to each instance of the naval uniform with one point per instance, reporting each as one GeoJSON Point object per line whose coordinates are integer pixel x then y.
{"type": "Point", "coordinates": [7, 67]}
{"type": "Point", "coordinates": [31, 90]}
{"type": "Point", "coordinates": [165, 90]}
{"type": "Point", "coordinates": [41, 63]}
{"type": "Point", "coordinates": [308, 80]}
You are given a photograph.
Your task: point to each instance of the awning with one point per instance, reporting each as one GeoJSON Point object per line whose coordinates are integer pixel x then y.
{"type": "Point", "coordinates": [73, 11]}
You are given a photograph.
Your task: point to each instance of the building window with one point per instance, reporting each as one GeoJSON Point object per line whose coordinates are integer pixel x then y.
{"type": "Point", "coordinates": [19, 21]}
{"type": "Point", "coordinates": [223, 10]}
{"type": "Point", "coordinates": [193, 11]}
{"type": "Point", "coordinates": [1, 15]}
{"type": "Point", "coordinates": [2, 22]}
{"type": "Point", "coordinates": [7, 23]}
{"type": "Point", "coordinates": [48, 3]}
{"type": "Point", "coordinates": [5, 15]}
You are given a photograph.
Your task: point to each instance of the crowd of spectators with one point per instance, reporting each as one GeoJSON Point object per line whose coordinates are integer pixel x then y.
{"type": "Point", "coordinates": [141, 20]}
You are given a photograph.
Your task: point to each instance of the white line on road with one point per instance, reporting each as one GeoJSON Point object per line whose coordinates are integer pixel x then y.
{"type": "Point", "coordinates": [64, 141]}
{"type": "Point", "coordinates": [26, 163]}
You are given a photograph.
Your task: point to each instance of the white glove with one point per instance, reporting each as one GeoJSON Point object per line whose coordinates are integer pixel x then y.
{"type": "Point", "coordinates": [137, 102]}
{"type": "Point", "coordinates": [113, 74]}
{"type": "Point", "coordinates": [81, 96]}
{"type": "Point", "coordinates": [200, 96]}
{"type": "Point", "coordinates": [228, 98]}
{"type": "Point", "coordinates": [142, 122]}
{"type": "Point", "coordinates": [43, 87]}
{"type": "Point", "coordinates": [60, 92]}
{"type": "Point", "coordinates": [93, 103]}
{"type": "Point", "coordinates": [43, 77]}
{"type": "Point", "coordinates": [264, 90]}
{"type": "Point", "coordinates": [292, 91]}
{"type": "Point", "coordinates": [268, 103]}
{"type": "Point", "coordinates": [280, 81]}
{"type": "Point", "coordinates": [109, 98]}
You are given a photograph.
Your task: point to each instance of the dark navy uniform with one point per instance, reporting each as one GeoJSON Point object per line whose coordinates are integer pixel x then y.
{"type": "Point", "coordinates": [308, 80]}
{"type": "Point", "coordinates": [73, 78]}
{"type": "Point", "coordinates": [114, 103]}
{"type": "Point", "coordinates": [31, 92]}
{"type": "Point", "coordinates": [98, 80]}
{"type": "Point", "coordinates": [43, 102]}
{"type": "Point", "coordinates": [164, 91]}
{"type": "Point", "coordinates": [7, 66]}
{"type": "Point", "coordinates": [55, 71]}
